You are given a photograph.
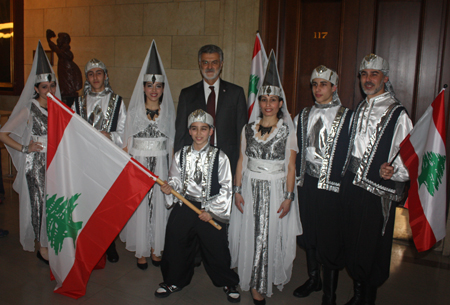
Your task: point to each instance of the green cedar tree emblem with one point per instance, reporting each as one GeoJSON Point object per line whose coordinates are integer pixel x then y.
{"type": "Point", "coordinates": [433, 166]}
{"type": "Point", "coordinates": [253, 85]}
{"type": "Point", "coordinates": [60, 224]}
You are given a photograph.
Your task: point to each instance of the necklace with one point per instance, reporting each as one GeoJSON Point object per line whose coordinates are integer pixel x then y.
{"type": "Point", "coordinates": [264, 130]}
{"type": "Point", "coordinates": [152, 113]}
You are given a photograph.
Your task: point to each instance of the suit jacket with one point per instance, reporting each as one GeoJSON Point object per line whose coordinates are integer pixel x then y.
{"type": "Point", "coordinates": [231, 116]}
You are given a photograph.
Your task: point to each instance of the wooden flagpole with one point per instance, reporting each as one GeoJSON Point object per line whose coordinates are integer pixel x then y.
{"type": "Point", "coordinates": [190, 205]}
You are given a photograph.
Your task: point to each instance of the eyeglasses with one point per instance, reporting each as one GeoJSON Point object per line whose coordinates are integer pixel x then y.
{"type": "Point", "coordinates": [212, 63]}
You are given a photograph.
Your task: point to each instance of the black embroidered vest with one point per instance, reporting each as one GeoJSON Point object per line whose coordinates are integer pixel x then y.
{"type": "Point", "coordinates": [210, 181]}
{"type": "Point", "coordinates": [337, 146]}
{"type": "Point", "coordinates": [377, 153]}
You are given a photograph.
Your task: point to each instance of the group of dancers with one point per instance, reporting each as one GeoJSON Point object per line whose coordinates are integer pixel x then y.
{"type": "Point", "coordinates": [322, 181]}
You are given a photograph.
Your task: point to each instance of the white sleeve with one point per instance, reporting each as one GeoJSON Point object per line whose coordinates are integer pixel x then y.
{"type": "Point", "coordinates": [221, 205]}
{"type": "Point", "coordinates": [117, 136]}
{"type": "Point", "coordinates": [174, 178]}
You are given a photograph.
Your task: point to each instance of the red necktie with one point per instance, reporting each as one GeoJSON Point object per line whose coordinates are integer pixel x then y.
{"type": "Point", "coordinates": [211, 108]}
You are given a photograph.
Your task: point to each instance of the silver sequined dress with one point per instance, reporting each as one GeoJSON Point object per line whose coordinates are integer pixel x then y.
{"type": "Point", "coordinates": [147, 226]}
{"type": "Point", "coordinates": [30, 123]}
{"type": "Point", "coordinates": [35, 164]}
{"type": "Point", "coordinates": [261, 244]}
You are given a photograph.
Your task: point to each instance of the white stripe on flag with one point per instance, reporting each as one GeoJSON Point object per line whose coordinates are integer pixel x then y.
{"type": "Point", "coordinates": [84, 171]}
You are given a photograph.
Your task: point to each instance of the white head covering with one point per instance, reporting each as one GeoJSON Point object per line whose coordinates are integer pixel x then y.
{"type": "Point", "coordinates": [41, 70]}
{"type": "Point", "coordinates": [330, 75]}
{"type": "Point", "coordinates": [91, 64]}
{"type": "Point", "coordinates": [273, 83]}
{"type": "Point", "coordinates": [376, 62]}
{"type": "Point", "coordinates": [137, 116]}
{"type": "Point", "coordinates": [326, 74]}
{"type": "Point", "coordinates": [201, 116]}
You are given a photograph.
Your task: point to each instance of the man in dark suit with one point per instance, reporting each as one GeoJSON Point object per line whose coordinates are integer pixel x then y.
{"type": "Point", "coordinates": [223, 100]}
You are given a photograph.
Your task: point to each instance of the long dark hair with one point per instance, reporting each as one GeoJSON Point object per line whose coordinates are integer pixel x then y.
{"type": "Point", "coordinates": [160, 98]}
{"type": "Point", "coordinates": [279, 113]}
{"type": "Point", "coordinates": [36, 95]}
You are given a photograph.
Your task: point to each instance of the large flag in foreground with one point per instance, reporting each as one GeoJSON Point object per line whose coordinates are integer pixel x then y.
{"type": "Point", "coordinates": [93, 188]}
{"type": "Point", "coordinates": [259, 63]}
{"type": "Point", "coordinates": [423, 152]}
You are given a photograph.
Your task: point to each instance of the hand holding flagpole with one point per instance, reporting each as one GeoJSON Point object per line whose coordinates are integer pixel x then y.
{"type": "Point", "coordinates": [190, 205]}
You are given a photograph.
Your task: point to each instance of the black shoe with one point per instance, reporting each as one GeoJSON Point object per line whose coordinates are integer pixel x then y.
{"type": "Point", "coordinates": [111, 253]}
{"type": "Point", "coordinates": [233, 296]}
{"type": "Point", "coordinates": [311, 285]}
{"type": "Point", "coordinates": [38, 254]}
{"type": "Point", "coordinates": [143, 266]}
{"type": "Point", "coordinates": [156, 263]}
{"type": "Point", "coordinates": [165, 290]}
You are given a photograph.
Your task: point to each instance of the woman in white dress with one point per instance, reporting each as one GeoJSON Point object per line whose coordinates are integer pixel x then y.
{"type": "Point", "coordinates": [25, 136]}
{"type": "Point", "coordinates": [149, 135]}
{"type": "Point", "coordinates": [265, 221]}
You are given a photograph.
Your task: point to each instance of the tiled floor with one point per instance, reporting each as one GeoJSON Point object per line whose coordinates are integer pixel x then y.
{"type": "Point", "coordinates": [415, 278]}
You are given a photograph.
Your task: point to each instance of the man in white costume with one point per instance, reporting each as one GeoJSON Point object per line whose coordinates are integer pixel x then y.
{"type": "Point", "coordinates": [373, 180]}
{"type": "Point", "coordinates": [323, 139]}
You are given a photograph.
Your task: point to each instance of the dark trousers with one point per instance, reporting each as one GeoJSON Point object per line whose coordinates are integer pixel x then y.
{"type": "Point", "coordinates": [367, 251]}
{"type": "Point", "coordinates": [321, 221]}
{"type": "Point", "coordinates": [184, 232]}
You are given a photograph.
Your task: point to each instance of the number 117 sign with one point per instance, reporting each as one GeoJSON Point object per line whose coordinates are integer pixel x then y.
{"type": "Point", "coordinates": [320, 35]}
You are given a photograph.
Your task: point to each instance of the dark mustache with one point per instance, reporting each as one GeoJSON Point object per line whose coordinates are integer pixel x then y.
{"type": "Point", "coordinates": [369, 83]}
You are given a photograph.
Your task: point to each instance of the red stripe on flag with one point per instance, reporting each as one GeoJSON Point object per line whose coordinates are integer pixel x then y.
{"type": "Point", "coordinates": [439, 115]}
{"type": "Point", "coordinates": [423, 234]}
{"type": "Point", "coordinates": [257, 47]}
{"type": "Point", "coordinates": [104, 225]}
{"type": "Point", "coordinates": [58, 119]}
{"type": "Point", "coordinates": [137, 163]}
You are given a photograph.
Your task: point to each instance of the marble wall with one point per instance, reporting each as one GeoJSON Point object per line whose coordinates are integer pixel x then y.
{"type": "Point", "coordinates": [119, 32]}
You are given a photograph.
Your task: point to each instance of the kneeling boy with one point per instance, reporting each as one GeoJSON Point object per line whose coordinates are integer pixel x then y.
{"type": "Point", "coordinates": [202, 174]}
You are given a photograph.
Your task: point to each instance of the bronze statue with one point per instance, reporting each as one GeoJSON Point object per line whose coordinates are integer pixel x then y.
{"type": "Point", "coordinates": [69, 74]}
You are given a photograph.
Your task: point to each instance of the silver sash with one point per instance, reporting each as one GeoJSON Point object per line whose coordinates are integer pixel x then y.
{"type": "Point", "coordinates": [265, 166]}
{"type": "Point", "coordinates": [149, 144]}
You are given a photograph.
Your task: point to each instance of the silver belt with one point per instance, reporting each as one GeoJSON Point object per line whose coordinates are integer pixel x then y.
{"type": "Point", "coordinates": [149, 144]}
{"type": "Point", "coordinates": [192, 198]}
{"type": "Point", "coordinates": [265, 166]}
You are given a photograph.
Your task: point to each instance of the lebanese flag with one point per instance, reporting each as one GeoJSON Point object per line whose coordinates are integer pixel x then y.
{"type": "Point", "coordinates": [259, 62]}
{"type": "Point", "coordinates": [423, 153]}
{"type": "Point", "coordinates": [93, 188]}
